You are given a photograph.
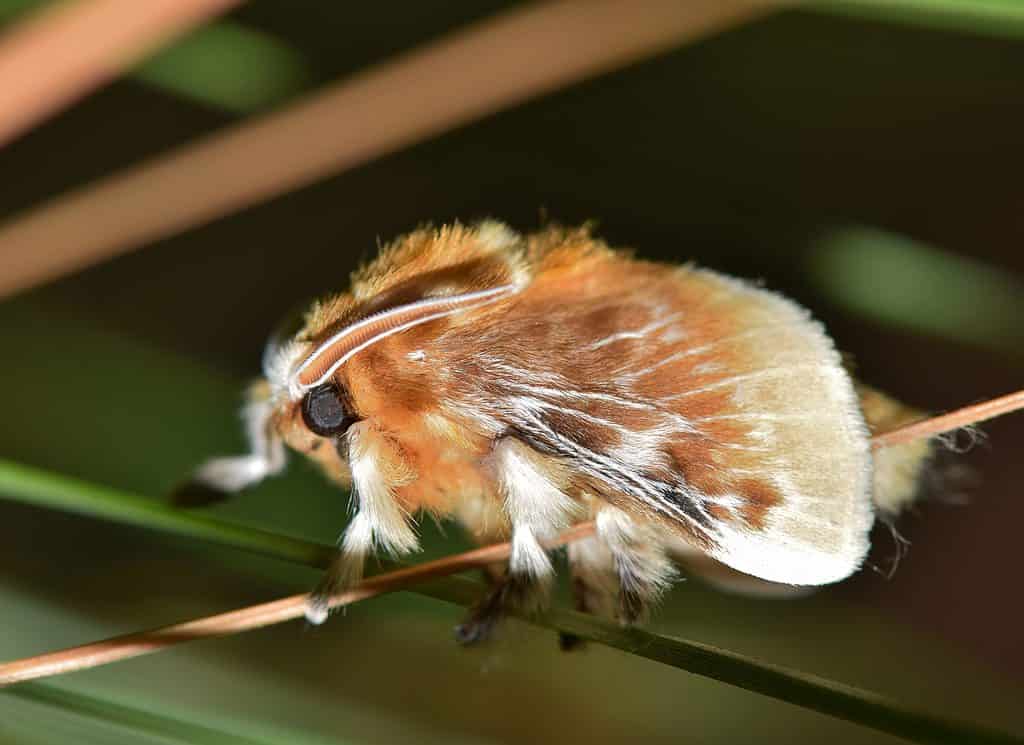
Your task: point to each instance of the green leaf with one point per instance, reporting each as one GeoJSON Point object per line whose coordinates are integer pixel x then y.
{"type": "Point", "coordinates": [229, 66]}
{"type": "Point", "coordinates": [138, 721]}
{"type": "Point", "coordinates": [907, 284]}
{"type": "Point", "coordinates": [1003, 18]}
{"type": "Point", "coordinates": [37, 487]}
{"type": "Point", "coordinates": [225, 64]}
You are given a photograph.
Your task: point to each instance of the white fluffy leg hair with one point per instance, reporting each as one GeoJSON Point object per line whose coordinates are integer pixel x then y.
{"type": "Point", "coordinates": [619, 572]}
{"type": "Point", "coordinates": [537, 508]}
{"type": "Point", "coordinates": [623, 570]}
{"type": "Point", "coordinates": [380, 520]}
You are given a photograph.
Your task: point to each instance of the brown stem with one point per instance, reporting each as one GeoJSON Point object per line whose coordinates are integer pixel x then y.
{"type": "Point", "coordinates": [526, 52]}
{"type": "Point", "coordinates": [954, 420]}
{"type": "Point", "coordinates": [253, 617]}
{"type": "Point", "coordinates": [285, 609]}
{"type": "Point", "coordinates": [59, 55]}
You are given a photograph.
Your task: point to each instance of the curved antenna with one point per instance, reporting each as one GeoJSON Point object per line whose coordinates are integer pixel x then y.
{"type": "Point", "coordinates": [335, 351]}
{"type": "Point", "coordinates": [287, 328]}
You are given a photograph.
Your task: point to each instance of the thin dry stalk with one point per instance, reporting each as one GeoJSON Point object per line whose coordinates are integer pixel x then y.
{"type": "Point", "coordinates": [968, 415]}
{"type": "Point", "coordinates": [61, 54]}
{"type": "Point", "coordinates": [254, 617]}
{"type": "Point", "coordinates": [470, 74]}
{"type": "Point", "coordinates": [289, 608]}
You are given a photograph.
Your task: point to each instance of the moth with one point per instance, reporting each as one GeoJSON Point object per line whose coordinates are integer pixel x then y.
{"type": "Point", "coordinates": [523, 383]}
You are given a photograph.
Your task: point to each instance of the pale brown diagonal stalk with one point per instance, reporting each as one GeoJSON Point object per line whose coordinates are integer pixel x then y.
{"type": "Point", "coordinates": [61, 54]}
{"type": "Point", "coordinates": [495, 64]}
{"type": "Point", "coordinates": [256, 616]}
{"type": "Point", "coordinates": [963, 417]}
{"type": "Point", "coordinates": [285, 609]}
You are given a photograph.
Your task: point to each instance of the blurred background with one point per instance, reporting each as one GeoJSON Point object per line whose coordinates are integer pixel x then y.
{"type": "Point", "coordinates": [867, 164]}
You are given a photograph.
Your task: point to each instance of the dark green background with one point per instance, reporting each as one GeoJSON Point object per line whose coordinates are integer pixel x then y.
{"type": "Point", "coordinates": [839, 159]}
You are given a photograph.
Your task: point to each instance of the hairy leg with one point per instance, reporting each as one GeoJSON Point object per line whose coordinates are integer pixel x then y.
{"type": "Point", "coordinates": [642, 565]}
{"type": "Point", "coordinates": [484, 519]}
{"type": "Point", "coordinates": [537, 509]}
{"type": "Point", "coordinates": [595, 583]}
{"type": "Point", "coordinates": [219, 478]}
{"type": "Point", "coordinates": [380, 520]}
{"type": "Point", "coordinates": [620, 572]}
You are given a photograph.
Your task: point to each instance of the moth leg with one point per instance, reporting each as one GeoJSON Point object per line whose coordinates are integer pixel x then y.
{"type": "Point", "coordinates": [508, 593]}
{"type": "Point", "coordinates": [484, 520]}
{"type": "Point", "coordinates": [487, 522]}
{"type": "Point", "coordinates": [219, 478]}
{"type": "Point", "coordinates": [618, 573]}
{"type": "Point", "coordinates": [641, 563]}
{"type": "Point", "coordinates": [380, 521]}
{"type": "Point", "coordinates": [595, 583]}
{"type": "Point", "coordinates": [537, 508]}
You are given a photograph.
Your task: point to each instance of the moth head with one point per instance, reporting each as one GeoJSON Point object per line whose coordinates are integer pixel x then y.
{"type": "Point", "coordinates": [423, 282]}
{"type": "Point", "coordinates": [303, 417]}
{"type": "Point", "coordinates": [310, 397]}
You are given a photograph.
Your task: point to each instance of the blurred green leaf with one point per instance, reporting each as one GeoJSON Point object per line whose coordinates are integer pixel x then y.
{"type": "Point", "coordinates": [37, 487]}
{"type": "Point", "coordinates": [993, 17]}
{"type": "Point", "coordinates": [11, 9]}
{"type": "Point", "coordinates": [904, 283]}
{"type": "Point", "coordinates": [225, 64]}
{"type": "Point", "coordinates": [138, 722]}
{"type": "Point", "coordinates": [229, 66]}
{"type": "Point", "coordinates": [41, 488]}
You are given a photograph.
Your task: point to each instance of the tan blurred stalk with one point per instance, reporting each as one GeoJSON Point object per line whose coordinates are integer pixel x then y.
{"type": "Point", "coordinates": [256, 616]}
{"type": "Point", "coordinates": [64, 52]}
{"type": "Point", "coordinates": [954, 420]}
{"type": "Point", "coordinates": [292, 607]}
{"type": "Point", "coordinates": [467, 75]}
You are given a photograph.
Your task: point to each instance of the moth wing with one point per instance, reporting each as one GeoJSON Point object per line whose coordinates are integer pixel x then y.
{"type": "Point", "coordinates": [711, 572]}
{"type": "Point", "coordinates": [797, 508]}
{"type": "Point", "coordinates": [718, 408]}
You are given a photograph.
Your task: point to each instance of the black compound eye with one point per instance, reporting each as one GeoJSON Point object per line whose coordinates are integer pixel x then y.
{"type": "Point", "coordinates": [327, 412]}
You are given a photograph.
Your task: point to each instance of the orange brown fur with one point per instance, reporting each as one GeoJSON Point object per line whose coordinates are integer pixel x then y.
{"type": "Point", "coordinates": [669, 403]}
{"type": "Point", "coordinates": [580, 292]}
{"type": "Point", "coordinates": [521, 383]}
